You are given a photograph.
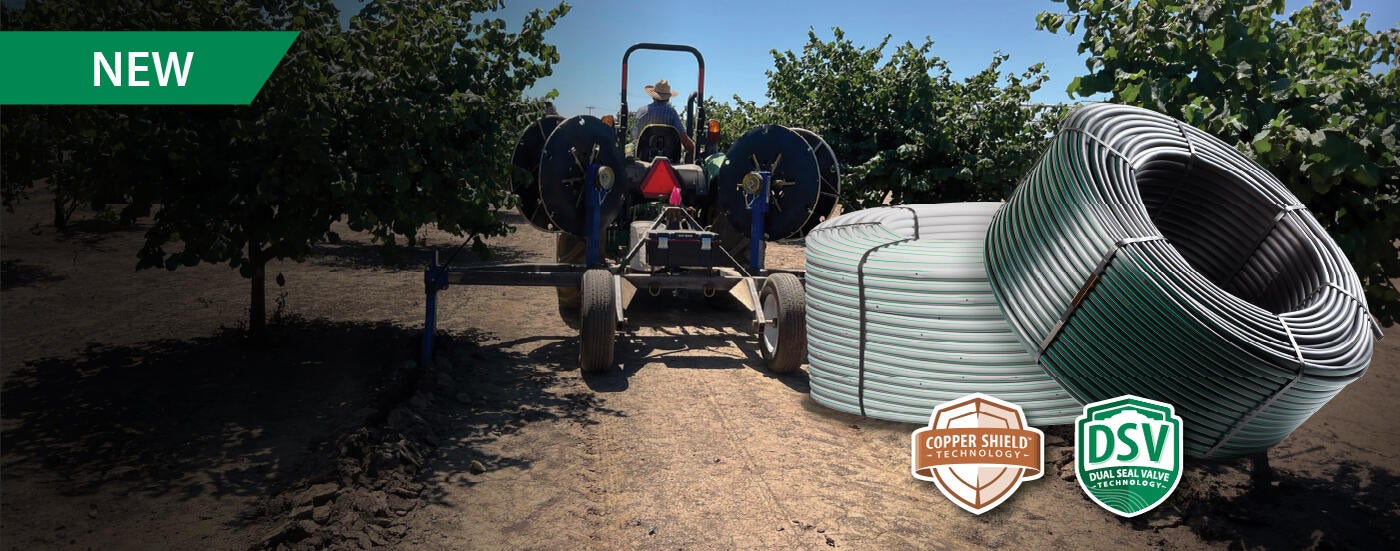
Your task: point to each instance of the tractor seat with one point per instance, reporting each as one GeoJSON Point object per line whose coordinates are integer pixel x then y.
{"type": "Point", "coordinates": [659, 140]}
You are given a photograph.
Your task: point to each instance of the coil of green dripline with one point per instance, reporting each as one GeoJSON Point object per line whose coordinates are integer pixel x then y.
{"type": "Point", "coordinates": [900, 317]}
{"type": "Point", "coordinates": [1143, 256]}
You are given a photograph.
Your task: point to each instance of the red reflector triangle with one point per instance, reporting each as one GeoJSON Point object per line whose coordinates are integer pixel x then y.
{"type": "Point", "coordinates": [660, 179]}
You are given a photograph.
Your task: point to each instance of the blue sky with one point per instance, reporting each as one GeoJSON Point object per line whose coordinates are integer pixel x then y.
{"type": "Point", "coordinates": [736, 37]}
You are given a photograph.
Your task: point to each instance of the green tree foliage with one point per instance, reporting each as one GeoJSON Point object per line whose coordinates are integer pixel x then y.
{"type": "Point", "coordinates": [432, 97]}
{"type": "Point", "coordinates": [1313, 98]}
{"type": "Point", "coordinates": [904, 127]}
{"type": "Point", "coordinates": [737, 118]}
{"type": "Point", "coordinates": [401, 120]}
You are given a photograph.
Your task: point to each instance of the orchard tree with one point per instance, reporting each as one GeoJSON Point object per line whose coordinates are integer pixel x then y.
{"type": "Point", "coordinates": [903, 127]}
{"type": "Point", "coordinates": [400, 121]}
{"type": "Point", "coordinates": [432, 100]}
{"type": "Point", "coordinates": [1313, 98]}
{"type": "Point", "coordinates": [84, 156]}
{"type": "Point", "coordinates": [32, 152]}
{"type": "Point", "coordinates": [246, 185]}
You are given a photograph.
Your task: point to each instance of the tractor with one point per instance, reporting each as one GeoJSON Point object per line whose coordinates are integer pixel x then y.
{"type": "Point", "coordinates": [646, 215]}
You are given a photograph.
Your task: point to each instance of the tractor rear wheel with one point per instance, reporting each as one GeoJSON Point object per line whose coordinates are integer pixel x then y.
{"type": "Point", "coordinates": [597, 321]}
{"type": "Point", "coordinates": [783, 339]}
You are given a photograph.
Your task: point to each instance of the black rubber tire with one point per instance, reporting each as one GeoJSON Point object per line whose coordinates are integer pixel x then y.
{"type": "Point", "coordinates": [568, 249]}
{"type": "Point", "coordinates": [597, 321]}
{"type": "Point", "coordinates": [785, 352]}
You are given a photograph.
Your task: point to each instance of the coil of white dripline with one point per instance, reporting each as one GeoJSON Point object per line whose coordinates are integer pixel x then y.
{"type": "Point", "coordinates": [1142, 256]}
{"type": "Point", "coordinates": [900, 317]}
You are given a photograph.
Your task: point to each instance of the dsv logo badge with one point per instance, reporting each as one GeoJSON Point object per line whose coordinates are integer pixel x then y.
{"type": "Point", "coordinates": [1128, 453]}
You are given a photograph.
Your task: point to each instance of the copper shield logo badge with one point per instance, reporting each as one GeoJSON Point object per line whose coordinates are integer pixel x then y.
{"type": "Point", "coordinates": [977, 449]}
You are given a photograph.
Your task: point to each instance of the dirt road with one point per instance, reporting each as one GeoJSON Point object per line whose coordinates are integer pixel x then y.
{"type": "Point", "coordinates": [692, 445]}
{"type": "Point", "coordinates": [134, 418]}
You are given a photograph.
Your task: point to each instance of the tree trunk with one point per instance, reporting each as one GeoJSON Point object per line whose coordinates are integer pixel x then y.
{"type": "Point", "coordinates": [257, 309]}
{"type": "Point", "coordinates": [60, 212]}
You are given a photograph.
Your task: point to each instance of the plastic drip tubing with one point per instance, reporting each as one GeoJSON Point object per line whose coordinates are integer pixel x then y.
{"type": "Point", "coordinates": [901, 317]}
{"type": "Point", "coordinates": [1143, 256]}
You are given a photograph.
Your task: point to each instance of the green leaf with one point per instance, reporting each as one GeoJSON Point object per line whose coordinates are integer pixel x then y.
{"type": "Point", "coordinates": [1076, 85]}
{"type": "Point", "coordinates": [1367, 175]}
{"type": "Point", "coordinates": [1261, 142]}
{"type": "Point", "coordinates": [1215, 44]}
{"type": "Point", "coordinates": [1129, 93]}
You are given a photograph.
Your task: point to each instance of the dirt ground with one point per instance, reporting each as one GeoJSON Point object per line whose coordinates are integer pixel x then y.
{"type": "Point", "coordinates": [136, 416]}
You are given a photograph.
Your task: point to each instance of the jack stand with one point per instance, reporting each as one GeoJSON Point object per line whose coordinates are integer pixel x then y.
{"type": "Point", "coordinates": [434, 280]}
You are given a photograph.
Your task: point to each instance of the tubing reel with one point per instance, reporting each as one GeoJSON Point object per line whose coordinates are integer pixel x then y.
{"type": "Point", "coordinates": [773, 170]}
{"type": "Point", "coordinates": [576, 147]}
{"type": "Point", "coordinates": [830, 172]}
{"type": "Point", "coordinates": [525, 177]}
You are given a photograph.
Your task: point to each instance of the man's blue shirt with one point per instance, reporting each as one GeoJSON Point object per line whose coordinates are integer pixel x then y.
{"type": "Point", "coordinates": [657, 112]}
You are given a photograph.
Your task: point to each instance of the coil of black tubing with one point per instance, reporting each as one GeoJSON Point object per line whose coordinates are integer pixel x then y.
{"type": "Point", "coordinates": [1143, 256]}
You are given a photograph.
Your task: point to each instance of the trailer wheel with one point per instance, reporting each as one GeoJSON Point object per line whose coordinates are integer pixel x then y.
{"type": "Point", "coordinates": [597, 321]}
{"type": "Point", "coordinates": [784, 340]}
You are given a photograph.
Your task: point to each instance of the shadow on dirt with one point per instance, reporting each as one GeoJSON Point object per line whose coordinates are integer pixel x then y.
{"type": "Point", "coordinates": [498, 391]}
{"type": "Point", "coordinates": [15, 273]}
{"type": "Point", "coordinates": [1355, 508]}
{"type": "Point", "coordinates": [321, 402]}
{"type": "Point", "coordinates": [206, 416]}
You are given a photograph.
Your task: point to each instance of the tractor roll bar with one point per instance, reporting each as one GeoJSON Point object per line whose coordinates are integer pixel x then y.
{"type": "Point", "coordinates": [699, 86]}
{"type": "Point", "coordinates": [690, 112]}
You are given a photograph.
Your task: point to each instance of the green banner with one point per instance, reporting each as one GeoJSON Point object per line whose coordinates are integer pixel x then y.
{"type": "Point", "coordinates": [138, 68]}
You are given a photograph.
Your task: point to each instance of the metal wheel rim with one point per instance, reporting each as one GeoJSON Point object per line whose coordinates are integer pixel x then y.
{"type": "Point", "coordinates": [770, 330]}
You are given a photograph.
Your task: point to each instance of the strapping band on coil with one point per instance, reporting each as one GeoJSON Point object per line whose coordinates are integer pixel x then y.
{"type": "Point", "coordinates": [860, 288]}
{"type": "Point", "coordinates": [1269, 401]}
{"type": "Point", "coordinates": [1244, 259]}
{"type": "Point", "coordinates": [1088, 286]}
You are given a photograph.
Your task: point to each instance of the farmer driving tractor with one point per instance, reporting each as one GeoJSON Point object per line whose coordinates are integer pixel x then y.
{"type": "Point", "coordinates": [659, 111]}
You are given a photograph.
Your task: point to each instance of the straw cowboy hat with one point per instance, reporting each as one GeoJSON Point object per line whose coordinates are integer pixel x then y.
{"type": "Point", "coordinates": [661, 91]}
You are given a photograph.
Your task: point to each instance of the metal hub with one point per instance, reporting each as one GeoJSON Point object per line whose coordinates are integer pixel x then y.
{"type": "Point", "coordinates": [770, 329]}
